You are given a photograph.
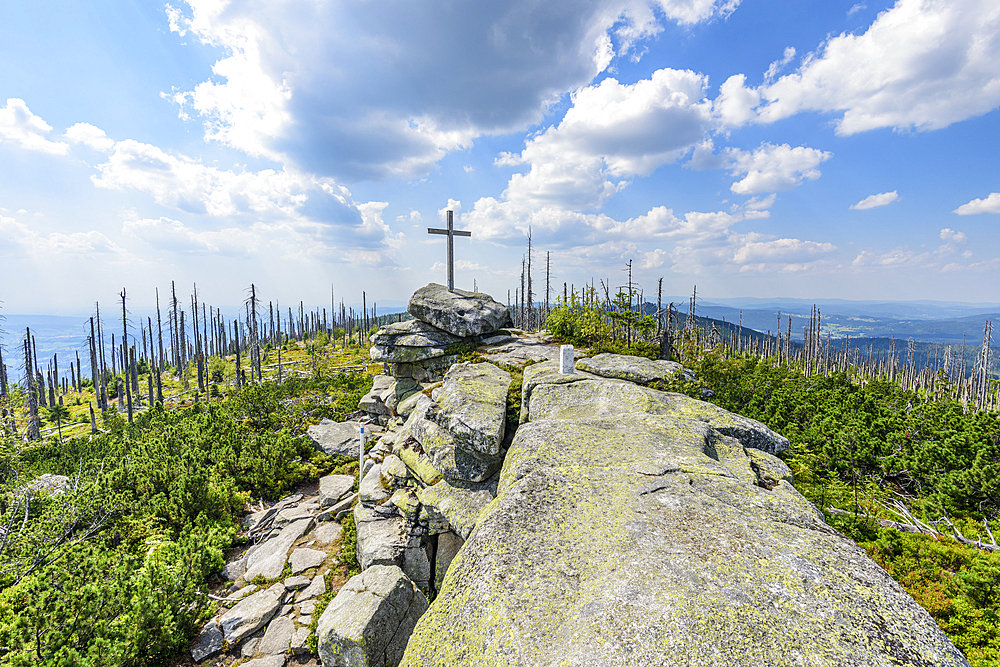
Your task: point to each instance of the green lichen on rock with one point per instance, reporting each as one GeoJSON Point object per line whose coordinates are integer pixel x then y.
{"type": "Point", "coordinates": [630, 538]}
{"type": "Point", "coordinates": [461, 503]}
{"type": "Point", "coordinates": [627, 367]}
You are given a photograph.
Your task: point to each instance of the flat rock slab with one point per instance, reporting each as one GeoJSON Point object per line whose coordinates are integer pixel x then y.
{"type": "Point", "coordinates": [209, 641]}
{"type": "Point", "coordinates": [461, 503]}
{"type": "Point", "coordinates": [328, 532]}
{"type": "Point", "coordinates": [269, 661]}
{"type": "Point", "coordinates": [278, 635]}
{"type": "Point", "coordinates": [303, 559]}
{"type": "Point", "coordinates": [546, 372]}
{"type": "Point", "coordinates": [335, 438]}
{"type": "Point", "coordinates": [651, 539]}
{"type": "Point", "coordinates": [458, 312]}
{"type": "Point", "coordinates": [269, 558]}
{"type": "Point", "coordinates": [627, 367]}
{"type": "Point", "coordinates": [520, 351]}
{"type": "Point", "coordinates": [335, 487]}
{"type": "Point", "coordinates": [402, 354]}
{"type": "Point", "coordinates": [413, 333]}
{"type": "Point", "coordinates": [251, 613]}
{"type": "Point", "coordinates": [297, 582]}
{"type": "Point", "coordinates": [600, 398]}
{"type": "Point", "coordinates": [370, 620]}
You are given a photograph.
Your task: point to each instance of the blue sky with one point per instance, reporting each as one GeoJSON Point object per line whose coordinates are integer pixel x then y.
{"type": "Point", "coordinates": [812, 149]}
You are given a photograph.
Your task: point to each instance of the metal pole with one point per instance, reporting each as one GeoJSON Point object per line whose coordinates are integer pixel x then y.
{"type": "Point", "coordinates": [451, 251]}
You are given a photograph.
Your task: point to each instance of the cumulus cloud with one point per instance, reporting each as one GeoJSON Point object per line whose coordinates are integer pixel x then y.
{"type": "Point", "coordinates": [343, 91]}
{"type": "Point", "coordinates": [874, 201]}
{"type": "Point", "coordinates": [24, 129]}
{"type": "Point", "coordinates": [922, 64]}
{"type": "Point", "coordinates": [989, 205]}
{"type": "Point", "coordinates": [611, 132]}
{"type": "Point", "coordinates": [951, 236]}
{"type": "Point", "coordinates": [88, 135]}
{"type": "Point", "coordinates": [771, 168]}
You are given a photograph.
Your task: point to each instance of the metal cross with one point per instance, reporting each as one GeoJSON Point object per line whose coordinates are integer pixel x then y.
{"type": "Point", "coordinates": [451, 233]}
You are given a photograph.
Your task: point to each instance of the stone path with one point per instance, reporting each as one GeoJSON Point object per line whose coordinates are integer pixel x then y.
{"type": "Point", "coordinates": [276, 580]}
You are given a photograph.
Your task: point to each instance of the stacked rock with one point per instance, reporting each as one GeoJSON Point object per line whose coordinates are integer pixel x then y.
{"type": "Point", "coordinates": [420, 350]}
{"type": "Point", "coordinates": [450, 445]}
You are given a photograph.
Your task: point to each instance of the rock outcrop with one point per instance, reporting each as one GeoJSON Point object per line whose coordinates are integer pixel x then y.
{"type": "Point", "coordinates": [417, 352]}
{"type": "Point", "coordinates": [635, 527]}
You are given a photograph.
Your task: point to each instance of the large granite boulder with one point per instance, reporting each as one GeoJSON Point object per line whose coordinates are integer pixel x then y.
{"type": "Point", "coordinates": [627, 367]}
{"type": "Point", "coordinates": [656, 538]}
{"type": "Point", "coordinates": [458, 312]}
{"type": "Point", "coordinates": [370, 620]}
{"type": "Point", "coordinates": [427, 446]}
{"type": "Point", "coordinates": [473, 403]}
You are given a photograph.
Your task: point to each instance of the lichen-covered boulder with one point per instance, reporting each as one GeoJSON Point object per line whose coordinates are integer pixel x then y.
{"type": "Point", "coordinates": [433, 446]}
{"type": "Point", "coordinates": [251, 613]}
{"type": "Point", "coordinates": [599, 398]}
{"type": "Point", "coordinates": [370, 620]}
{"type": "Point", "coordinates": [402, 354]}
{"type": "Point", "coordinates": [656, 539]}
{"type": "Point", "coordinates": [546, 372]}
{"type": "Point", "coordinates": [627, 367]}
{"type": "Point", "coordinates": [473, 404]}
{"type": "Point", "coordinates": [458, 312]}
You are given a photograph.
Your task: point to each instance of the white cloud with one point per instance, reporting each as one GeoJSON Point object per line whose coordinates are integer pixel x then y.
{"type": "Point", "coordinates": [57, 246]}
{"type": "Point", "coordinates": [771, 168]}
{"type": "Point", "coordinates": [874, 201]}
{"type": "Point", "coordinates": [330, 86]}
{"type": "Point", "coordinates": [22, 128]}
{"type": "Point", "coordinates": [94, 137]}
{"type": "Point", "coordinates": [951, 236]}
{"type": "Point", "coordinates": [778, 65]}
{"type": "Point", "coordinates": [989, 205]}
{"type": "Point", "coordinates": [923, 64]}
{"type": "Point", "coordinates": [613, 131]}
{"type": "Point", "coordinates": [736, 103]}
{"type": "Point", "coordinates": [856, 8]}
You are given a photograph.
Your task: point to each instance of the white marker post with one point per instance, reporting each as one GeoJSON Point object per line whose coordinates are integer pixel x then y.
{"type": "Point", "coordinates": [566, 360]}
{"type": "Point", "coordinates": [361, 453]}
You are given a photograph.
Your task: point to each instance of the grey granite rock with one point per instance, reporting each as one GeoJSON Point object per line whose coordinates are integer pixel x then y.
{"type": "Point", "coordinates": [303, 559]}
{"type": "Point", "coordinates": [269, 559]}
{"type": "Point", "coordinates": [413, 333]}
{"type": "Point", "coordinates": [461, 503]}
{"type": "Point", "coordinates": [313, 590]}
{"type": "Point", "coordinates": [381, 540]}
{"type": "Point", "coordinates": [626, 367]}
{"type": "Point", "coordinates": [209, 641]}
{"type": "Point", "coordinates": [335, 438]}
{"type": "Point", "coordinates": [370, 620]}
{"type": "Point", "coordinates": [334, 488]}
{"type": "Point", "coordinates": [620, 537]}
{"type": "Point", "coordinates": [458, 312]}
{"type": "Point", "coordinates": [296, 582]}
{"type": "Point", "coordinates": [278, 635]}
{"type": "Point", "coordinates": [251, 613]}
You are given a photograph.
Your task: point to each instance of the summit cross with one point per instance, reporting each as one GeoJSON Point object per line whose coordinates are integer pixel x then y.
{"type": "Point", "coordinates": [451, 233]}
